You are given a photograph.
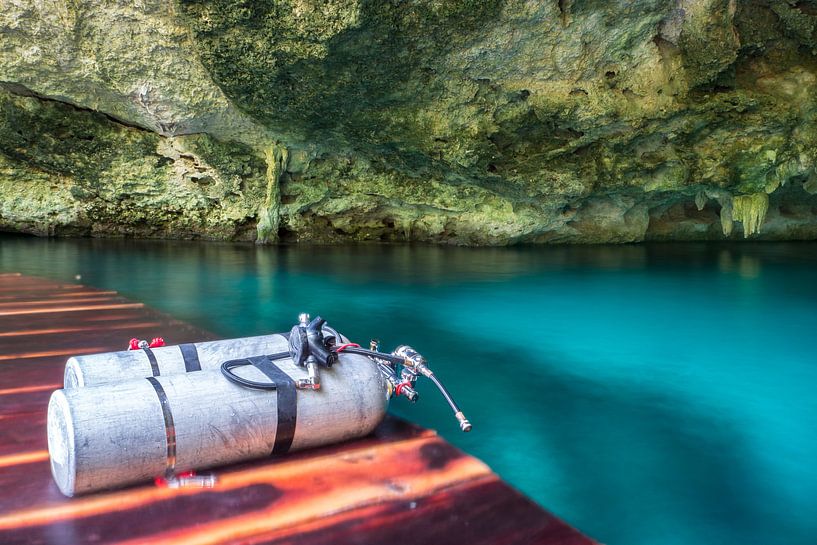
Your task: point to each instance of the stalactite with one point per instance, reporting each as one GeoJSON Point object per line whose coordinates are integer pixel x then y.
{"type": "Point", "coordinates": [726, 218]}
{"type": "Point", "coordinates": [751, 211]}
{"type": "Point", "coordinates": [700, 200]}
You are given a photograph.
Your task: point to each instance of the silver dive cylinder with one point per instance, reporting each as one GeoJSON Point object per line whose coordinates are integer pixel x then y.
{"type": "Point", "coordinates": [125, 432]}
{"type": "Point", "coordinates": [109, 367]}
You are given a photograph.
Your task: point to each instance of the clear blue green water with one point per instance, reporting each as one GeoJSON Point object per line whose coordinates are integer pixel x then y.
{"type": "Point", "coordinates": [656, 394]}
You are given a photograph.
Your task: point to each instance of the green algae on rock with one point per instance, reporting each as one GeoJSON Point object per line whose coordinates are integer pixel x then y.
{"type": "Point", "coordinates": [464, 122]}
{"type": "Point", "coordinates": [72, 171]}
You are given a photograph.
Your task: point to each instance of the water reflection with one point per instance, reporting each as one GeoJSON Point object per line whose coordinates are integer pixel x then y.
{"type": "Point", "coordinates": [747, 266]}
{"type": "Point", "coordinates": [408, 264]}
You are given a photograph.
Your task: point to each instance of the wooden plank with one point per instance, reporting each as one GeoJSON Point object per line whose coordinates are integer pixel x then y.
{"type": "Point", "coordinates": [21, 458]}
{"type": "Point", "coordinates": [55, 301]}
{"type": "Point", "coordinates": [72, 308]}
{"type": "Point", "coordinates": [36, 294]}
{"type": "Point", "coordinates": [401, 484]}
{"type": "Point", "coordinates": [30, 389]}
{"type": "Point", "coordinates": [61, 352]}
{"type": "Point", "coordinates": [58, 334]}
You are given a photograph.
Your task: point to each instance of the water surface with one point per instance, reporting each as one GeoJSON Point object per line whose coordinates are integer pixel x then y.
{"type": "Point", "coordinates": [653, 394]}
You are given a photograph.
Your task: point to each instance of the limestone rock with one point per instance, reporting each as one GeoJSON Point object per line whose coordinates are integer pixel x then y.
{"type": "Point", "coordinates": [464, 121]}
{"type": "Point", "coordinates": [64, 170]}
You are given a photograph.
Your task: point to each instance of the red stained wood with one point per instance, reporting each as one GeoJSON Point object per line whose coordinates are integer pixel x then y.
{"type": "Point", "coordinates": [402, 484]}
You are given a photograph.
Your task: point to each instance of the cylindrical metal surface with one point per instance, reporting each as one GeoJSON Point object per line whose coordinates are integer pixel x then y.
{"type": "Point", "coordinates": [115, 434]}
{"type": "Point", "coordinates": [110, 367]}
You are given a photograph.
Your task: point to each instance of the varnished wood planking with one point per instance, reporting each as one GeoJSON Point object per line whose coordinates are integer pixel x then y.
{"type": "Point", "coordinates": [402, 484]}
{"type": "Point", "coordinates": [55, 301]}
{"type": "Point", "coordinates": [30, 389]}
{"type": "Point", "coordinates": [89, 331]}
{"type": "Point", "coordinates": [36, 294]}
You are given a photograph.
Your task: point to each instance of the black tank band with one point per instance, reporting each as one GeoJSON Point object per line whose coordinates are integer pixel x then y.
{"type": "Point", "coordinates": [170, 427]}
{"type": "Point", "coordinates": [191, 357]}
{"type": "Point", "coordinates": [287, 402]}
{"type": "Point", "coordinates": [154, 365]}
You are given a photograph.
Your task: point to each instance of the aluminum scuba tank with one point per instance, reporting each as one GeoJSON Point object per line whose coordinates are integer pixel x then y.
{"type": "Point", "coordinates": [160, 421]}
{"type": "Point", "coordinates": [110, 367]}
{"type": "Point", "coordinates": [115, 434]}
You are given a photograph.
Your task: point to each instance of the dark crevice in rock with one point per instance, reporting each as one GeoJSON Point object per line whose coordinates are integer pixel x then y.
{"type": "Point", "coordinates": [23, 91]}
{"type": "Point", "coordinates": [564, 11]}
{"type": "Point", "coordinates": [807, 7]}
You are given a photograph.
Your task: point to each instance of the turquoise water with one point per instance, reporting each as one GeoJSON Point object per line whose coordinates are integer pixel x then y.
{"type": "Point", "coordinates": [656, 395]}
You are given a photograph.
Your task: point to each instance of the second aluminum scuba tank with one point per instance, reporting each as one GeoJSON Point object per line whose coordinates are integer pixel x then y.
{"type": "Point", "coordinates": [115, 434]}
{"type": "Point", "coordinates": [108, 367]}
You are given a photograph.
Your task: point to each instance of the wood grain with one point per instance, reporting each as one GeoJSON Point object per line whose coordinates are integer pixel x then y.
{"type": "Point", "coordinates": [402, 484]}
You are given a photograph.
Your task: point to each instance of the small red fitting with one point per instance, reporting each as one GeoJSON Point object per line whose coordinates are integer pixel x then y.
{"type": "Point", "coordinates": [134, 343]}
{"type": "Point", "coordinates": [186, 479]}
{"type": "Point", "coordinates": [163, 482]}
{"type": "Point", "coordinates": [399, 387]}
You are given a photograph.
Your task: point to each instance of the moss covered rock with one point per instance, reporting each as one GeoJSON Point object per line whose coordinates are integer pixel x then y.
{"type": "Point", "coordinates": [64, 170]}
{"type": "Point", "coordinates": [465, 122]}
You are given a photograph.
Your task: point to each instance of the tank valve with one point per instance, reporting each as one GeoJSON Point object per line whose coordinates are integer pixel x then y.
{"type": "Point", "coordinates": [413, 364]}
{"type": "Point", "coordinates": [310, 348]}
{"type": "Point", "coordinates": [406, 363]}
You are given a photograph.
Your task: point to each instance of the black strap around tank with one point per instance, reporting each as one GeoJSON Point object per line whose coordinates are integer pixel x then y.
{"type": "Point", "coordinates": [170, 426]}
{"type": "Point", "coordinates": [287, 402]}
{"type": "Point", "coordinates": [154, 365]}
{"type": "Point", "coordinates": [191, 357]}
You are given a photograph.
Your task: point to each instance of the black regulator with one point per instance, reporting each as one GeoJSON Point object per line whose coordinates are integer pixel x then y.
{"type": "Point", "coordinates": [314, 344]}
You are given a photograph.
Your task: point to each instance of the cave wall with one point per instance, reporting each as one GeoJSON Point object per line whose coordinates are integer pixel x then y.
{"type": "Point", "coordinates": [468, 122]}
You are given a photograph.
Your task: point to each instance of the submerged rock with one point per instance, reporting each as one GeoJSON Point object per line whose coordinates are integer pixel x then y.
{"type": "Point", "coordinates": [464, 122]}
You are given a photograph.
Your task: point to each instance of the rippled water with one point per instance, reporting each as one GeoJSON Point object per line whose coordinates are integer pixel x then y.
{"type": "Point", "coordinates": [655, 394]}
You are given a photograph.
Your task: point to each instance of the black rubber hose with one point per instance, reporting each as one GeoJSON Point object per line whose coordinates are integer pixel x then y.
{"type": "Point", "coordinates": [399, 360]}
{"type": "Point", "coordinates": [445, 393]}
{"type": "Point", "coordinates": [465, 425]}
{"type": "Point", "coordinates": [332, 332]}
{"type": "Point", "coordinates": [227, 367]}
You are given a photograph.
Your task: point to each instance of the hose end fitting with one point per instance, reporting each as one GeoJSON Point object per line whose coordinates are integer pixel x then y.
{"type": "Point", "coordinates": [465, 425]}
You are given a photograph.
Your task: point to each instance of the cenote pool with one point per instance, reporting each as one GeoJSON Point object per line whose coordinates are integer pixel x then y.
{"type": "Point", "coordinates": [653, 394]}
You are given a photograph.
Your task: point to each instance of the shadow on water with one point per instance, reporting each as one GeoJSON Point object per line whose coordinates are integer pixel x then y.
{"type": "Point", "coordinates": [651, 394]}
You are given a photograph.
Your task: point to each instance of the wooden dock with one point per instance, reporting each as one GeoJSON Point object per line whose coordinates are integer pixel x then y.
{"type": "Point", "coordinates": [403, 484]}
